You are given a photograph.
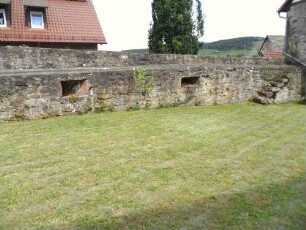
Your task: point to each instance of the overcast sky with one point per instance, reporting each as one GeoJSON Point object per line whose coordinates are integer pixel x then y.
{"type": "Point", "coordinates": [125, 23]}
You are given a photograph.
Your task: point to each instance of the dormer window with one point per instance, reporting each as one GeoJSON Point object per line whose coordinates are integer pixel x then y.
{"type": "Point", "coordinates": [35, 12]}
{"type": "Point", "coordinates": [37, 19]}
{"type": "Point", "coordinates": [3, 22]}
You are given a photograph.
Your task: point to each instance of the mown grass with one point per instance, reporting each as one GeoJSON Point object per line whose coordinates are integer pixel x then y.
{"type": "Point", "coordinates": [219, 167]}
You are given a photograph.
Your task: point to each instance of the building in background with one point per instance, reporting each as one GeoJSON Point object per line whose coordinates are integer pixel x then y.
{"type": "Point", "coordinates": [71, 24]}
{"type": "Point", "coordinates": [295, 42]}
{"type": "Point", "coordinates": [272, 46]}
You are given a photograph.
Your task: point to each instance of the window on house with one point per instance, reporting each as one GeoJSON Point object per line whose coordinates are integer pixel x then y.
{"type": "Point", "coordinates": [37, 19]}
{"type": "Point", "coordinates": [3, 22]}
{"type": "Point", "coordinates": [5, 11]}
{"type": "Point", "coordinates": [35, 11]}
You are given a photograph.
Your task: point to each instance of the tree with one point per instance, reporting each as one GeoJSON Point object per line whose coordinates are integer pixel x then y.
{"type": "Point", "coordinates": [173, 29]}
{"type": "Point", "coordinates": [200, 19]}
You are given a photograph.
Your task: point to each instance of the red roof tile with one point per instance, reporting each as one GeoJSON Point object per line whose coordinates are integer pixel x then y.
{"type": "Point", "coordinates": [286, 6]}
{"type": "Point", "coordinates": [69, 21]}
{"type": "Point", "coordinates": [271, 54]}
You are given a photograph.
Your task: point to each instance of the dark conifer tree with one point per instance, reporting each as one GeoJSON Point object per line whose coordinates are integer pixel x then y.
{"type": "Point", "coordinates": [173, 29]}
{"type": "Point", "coordinates": [200, 19]}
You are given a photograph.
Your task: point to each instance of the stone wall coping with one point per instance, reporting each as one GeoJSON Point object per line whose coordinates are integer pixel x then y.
{"type": "Point", "coordinates": [82, 70]}
{"type": "Point", "coordinates": [43, 58]}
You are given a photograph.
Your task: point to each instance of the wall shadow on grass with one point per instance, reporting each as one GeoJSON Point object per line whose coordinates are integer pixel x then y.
{"type": "Point", "coordinates": [276, 206]}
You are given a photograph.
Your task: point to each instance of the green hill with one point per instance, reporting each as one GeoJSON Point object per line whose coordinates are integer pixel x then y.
{"type": "Point", "coordinates": [139, 51]}
{"type": "Point", "coordinates": [242, 43]}
{"type": "Point", "coordinates": [242, 46]}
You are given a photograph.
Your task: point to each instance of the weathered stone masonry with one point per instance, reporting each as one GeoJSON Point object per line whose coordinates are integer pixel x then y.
{"type": "Point", "coordinates": [22, 58]}
{"type": "Point", "coordinates": [45, 82]}
{"type": "Point", "coordinates": [296, 31]}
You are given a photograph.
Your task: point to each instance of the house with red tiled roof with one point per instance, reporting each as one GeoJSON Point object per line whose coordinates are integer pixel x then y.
{"type": "Point", "coordinates": [295, 42]}
{"type": "Point", "coordinates": [69, 24]}
{"type": "Point", "coordinates": [272, 46]}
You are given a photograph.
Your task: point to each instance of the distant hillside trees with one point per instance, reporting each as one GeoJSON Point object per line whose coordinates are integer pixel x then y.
{"type": "Point", "coordinates": [173, 29]}
{"type": "Point", "coordinates": [242, 43]}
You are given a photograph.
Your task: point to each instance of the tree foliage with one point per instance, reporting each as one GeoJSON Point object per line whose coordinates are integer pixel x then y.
{"type": "Point", "coordinates": [200, 19]}
{"type": "Point", "coordinates": [173, 29]}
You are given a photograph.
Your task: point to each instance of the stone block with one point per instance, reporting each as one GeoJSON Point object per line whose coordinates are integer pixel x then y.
{"type": "Point", "coordinates": [30, 103]}
{"type": "Point", "coordinates": [275, 89]}
{"type": "Point", "coordinates": [283, 95]}
{"type": "Point", "coordinates": [268, 94]}
{"type": "Point", "coordinates": [285, 80]}
{"type": "Point", "coordinates": [20, 82]}
{"type": "Point", "coordinates": [280, 84]}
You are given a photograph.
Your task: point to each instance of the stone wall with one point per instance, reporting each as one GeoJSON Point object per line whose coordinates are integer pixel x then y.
{"type": "Point", "coordinates": [45, 93]}
{"type": "Point", "coordinates": [38, 83]}
{"type": "Point", "coordinates": [17, 58]}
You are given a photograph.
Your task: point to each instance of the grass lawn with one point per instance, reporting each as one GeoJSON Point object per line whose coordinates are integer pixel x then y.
{"type": "Point", "coordinates": [220, 167]}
